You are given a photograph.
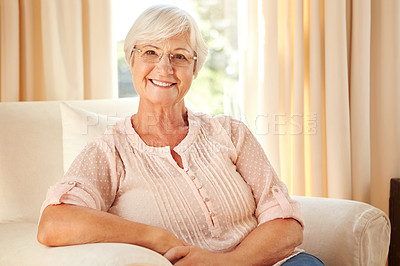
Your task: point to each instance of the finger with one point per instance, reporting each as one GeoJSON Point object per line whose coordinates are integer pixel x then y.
{"type": "Point", "coordinates": [176, 253]}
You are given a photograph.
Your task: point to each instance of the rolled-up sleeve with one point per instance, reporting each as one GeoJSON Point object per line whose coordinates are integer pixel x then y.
{"type": "Point", "coordinates": [91, 181]}
{"type": "Point", "coordinates": [270, 193]}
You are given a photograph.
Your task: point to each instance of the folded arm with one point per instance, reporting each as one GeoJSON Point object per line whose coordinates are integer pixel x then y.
{"type": "Point", "coordinates": [267, 244]}
{"type": "Point", "coordinates": [66, 224]}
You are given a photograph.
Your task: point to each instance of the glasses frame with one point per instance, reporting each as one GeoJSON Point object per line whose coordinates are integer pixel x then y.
{"type": "Point", "coordinates": [170, 55]}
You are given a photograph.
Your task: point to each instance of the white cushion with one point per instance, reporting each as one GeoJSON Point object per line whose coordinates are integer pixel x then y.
{"type": "Point", "coordinates": [80, 126]}
{"type": "Point", "coordinates": [18, 246]}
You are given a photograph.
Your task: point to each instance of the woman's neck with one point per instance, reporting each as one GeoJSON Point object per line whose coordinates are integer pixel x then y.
{"type": "Point", "coordinates": [160, 120]}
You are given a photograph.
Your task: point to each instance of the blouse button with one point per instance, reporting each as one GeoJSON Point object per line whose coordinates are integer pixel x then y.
{"type": "Point", "coordinates": [193, 177]}
{"type": "Point", "coordinates": [212, 214]}
{"type": "Point", "coordinates": [70, 183]}
{"type": "Point", "coordinates": [276, 190]}
{"type": "Point", "coordinates": [206, 199]}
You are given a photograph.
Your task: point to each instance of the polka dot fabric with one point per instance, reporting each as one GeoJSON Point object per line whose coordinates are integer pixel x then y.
{"type": "Point", "coordinates": [225, 189]}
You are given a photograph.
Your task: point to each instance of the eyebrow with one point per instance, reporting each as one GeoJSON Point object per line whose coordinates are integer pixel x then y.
{"type": "Point", "coordinates": [179, 48]}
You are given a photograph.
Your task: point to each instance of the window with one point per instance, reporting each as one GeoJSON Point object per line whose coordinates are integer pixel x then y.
{"type": "Point", "coordinates": [215, 89]}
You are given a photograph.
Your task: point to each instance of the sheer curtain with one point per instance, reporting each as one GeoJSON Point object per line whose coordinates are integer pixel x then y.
{"type": "Point", "coordinates": [320, 83]}
{"type": "Point", "coordinates": [55, 50]}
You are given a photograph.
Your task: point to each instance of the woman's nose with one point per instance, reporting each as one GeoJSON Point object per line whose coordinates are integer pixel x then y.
{"type": "Point", "coordinates": [165, 64]}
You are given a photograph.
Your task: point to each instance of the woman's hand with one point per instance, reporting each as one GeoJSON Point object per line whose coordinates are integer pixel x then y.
{"type": "Point", "coordinates": [164, 240]}
{"type": "Point", "coordinates": [191, 255]}
{"type": "Point", "coordinates": [265, 245]}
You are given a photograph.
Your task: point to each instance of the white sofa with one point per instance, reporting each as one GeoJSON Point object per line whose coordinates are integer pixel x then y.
{"type": "Point", "coordinates": [32, 158]}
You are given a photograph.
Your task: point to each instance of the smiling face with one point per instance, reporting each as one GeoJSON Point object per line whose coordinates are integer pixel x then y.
{"type": "Point", "coordinates": [162, 83]}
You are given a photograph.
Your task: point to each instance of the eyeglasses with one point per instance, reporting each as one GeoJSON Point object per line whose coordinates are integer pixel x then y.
{"type": "Point", "coordinates": [154, 55]}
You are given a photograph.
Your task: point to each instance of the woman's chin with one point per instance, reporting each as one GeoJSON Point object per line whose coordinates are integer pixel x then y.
{"type": "Point", "coordinates": [164, 100]}
{"type": "Point", "coordinates": [161, 96]}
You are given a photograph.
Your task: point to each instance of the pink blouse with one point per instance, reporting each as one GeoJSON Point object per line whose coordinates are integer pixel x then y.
{"type": "Point", "coordinates": [226, 189]}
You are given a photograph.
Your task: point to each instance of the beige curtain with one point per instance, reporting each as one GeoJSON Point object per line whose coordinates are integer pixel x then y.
{"type": "Point", "coordinates": [320, 83]}
{"type": "Point", "coordinates": [56, 50]}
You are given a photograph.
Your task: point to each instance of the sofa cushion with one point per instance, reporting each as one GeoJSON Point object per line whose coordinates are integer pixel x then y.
{"type": "Point", "coordinates": [18, 246]}
{"type": "Point", "coordinates": [80, 126]}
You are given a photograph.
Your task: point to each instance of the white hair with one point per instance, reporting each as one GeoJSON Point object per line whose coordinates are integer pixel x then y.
{"type": "Point", "coordinates": [161, 22]}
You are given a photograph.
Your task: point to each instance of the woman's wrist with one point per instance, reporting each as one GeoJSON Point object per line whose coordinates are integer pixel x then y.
{"type": "Point", "coordinates": [158, 239]}
{"type": "Point", "coordinates": [233, 258]}
{"type": "Point", "coordinates": [149, 236]}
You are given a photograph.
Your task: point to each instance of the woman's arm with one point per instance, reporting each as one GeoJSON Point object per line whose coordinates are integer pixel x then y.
{"type": "Point", "coordinates": [267, 244]}
{"type": "Point", "coordinates": [66, 224]}
{"type": "Point", "coordinates": [92, 181]}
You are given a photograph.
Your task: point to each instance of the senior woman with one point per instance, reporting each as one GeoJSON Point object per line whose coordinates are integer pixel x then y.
{"type": "Point", "coordinates": [198, 190]}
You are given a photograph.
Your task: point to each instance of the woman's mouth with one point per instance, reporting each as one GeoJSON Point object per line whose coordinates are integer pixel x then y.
{"type": "Point", "coordinates": [161, 83]}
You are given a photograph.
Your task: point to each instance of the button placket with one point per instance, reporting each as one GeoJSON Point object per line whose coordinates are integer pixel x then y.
{"type": "Point", "coordinates": [197, 183]}
{"type": "Point", "coordinates": [213, 223]}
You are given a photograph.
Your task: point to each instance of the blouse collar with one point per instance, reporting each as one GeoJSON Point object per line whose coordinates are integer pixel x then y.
{"type": "Point", "coordinates": [138, 143]}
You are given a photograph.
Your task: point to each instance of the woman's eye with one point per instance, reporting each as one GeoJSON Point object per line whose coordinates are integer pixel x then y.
{"type": "Point", "coordinates": [150, 52]}
{"type": "Point", "coordinates": [179, 57]}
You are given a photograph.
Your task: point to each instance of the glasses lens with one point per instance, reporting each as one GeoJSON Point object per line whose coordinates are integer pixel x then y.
{"type": "Point", "coordinates": [151, 55]}
{"type": "Point", "coordinates": [180, 60]}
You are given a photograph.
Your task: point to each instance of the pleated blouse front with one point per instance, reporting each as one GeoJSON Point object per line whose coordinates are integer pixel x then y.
{"type": "Point", "coordinates": [226, 188]}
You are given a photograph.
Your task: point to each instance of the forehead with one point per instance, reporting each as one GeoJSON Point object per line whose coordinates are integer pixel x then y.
{"type": "Point", "coordinates": [173, 43]}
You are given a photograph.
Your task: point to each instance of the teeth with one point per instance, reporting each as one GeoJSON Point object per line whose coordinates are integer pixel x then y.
{"type": "Point", "coordinates": [159, 83]}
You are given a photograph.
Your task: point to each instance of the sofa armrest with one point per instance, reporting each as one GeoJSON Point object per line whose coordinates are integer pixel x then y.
{"type": "Point", "coordinates": [344, 232]}
{"type": "Point", "coordinates": [19, 246]}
